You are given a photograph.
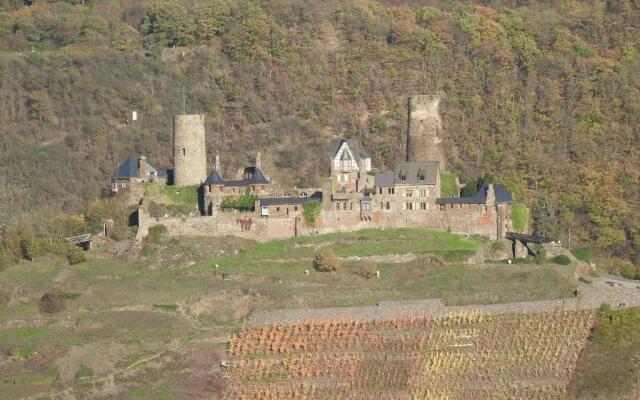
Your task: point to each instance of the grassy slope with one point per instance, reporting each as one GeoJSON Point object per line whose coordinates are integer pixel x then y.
{"type": "Point", "coordinates": [609, 366]}
{"type": "Point", "coordinates": [115, 320]}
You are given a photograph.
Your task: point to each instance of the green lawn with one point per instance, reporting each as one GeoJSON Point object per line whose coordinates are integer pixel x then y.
{"type": "Point", "coordinates": [181, 195]}
{"type": "Point", "coordinates": [448, 186]}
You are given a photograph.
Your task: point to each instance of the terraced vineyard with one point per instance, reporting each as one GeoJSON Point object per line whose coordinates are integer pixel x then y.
{"type": "Point", "coordinates": [461, 356]}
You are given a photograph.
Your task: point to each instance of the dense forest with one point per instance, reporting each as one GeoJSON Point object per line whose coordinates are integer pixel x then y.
{"type": "Point", "coordinates": [543, 96]}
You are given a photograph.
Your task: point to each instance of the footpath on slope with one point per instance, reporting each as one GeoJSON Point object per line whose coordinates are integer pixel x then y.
{"type": "Point", "coordinates": [589, 296]}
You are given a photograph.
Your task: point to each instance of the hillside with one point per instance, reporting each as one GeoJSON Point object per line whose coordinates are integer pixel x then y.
{"type": "Point", "coordinates": [539, 95]}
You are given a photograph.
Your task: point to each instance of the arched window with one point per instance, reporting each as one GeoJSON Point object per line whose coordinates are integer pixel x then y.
{"type": "Point", "coordinates": [338, 206]}
{"type": "Point", "coordinates": [388, 206]}
{"type": "Point", "coordinates": [344, 206]}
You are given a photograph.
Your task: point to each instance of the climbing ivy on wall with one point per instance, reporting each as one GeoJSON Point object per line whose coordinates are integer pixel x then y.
{"type": "Point", "coordinates": [311, 211]}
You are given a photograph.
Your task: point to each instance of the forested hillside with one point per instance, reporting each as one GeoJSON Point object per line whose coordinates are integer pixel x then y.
{"type": "Point", "coordinates": [540, 95]}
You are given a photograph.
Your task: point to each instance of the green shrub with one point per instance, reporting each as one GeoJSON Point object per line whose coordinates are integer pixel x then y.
{"type": "Point", "coordinates": [311, 211]}
{"type": "Point", "coordinates": [30, 248]}
{"type": "Point", "coordinates": [366, 270]}
{"type": "Point", "coordinates": [519, 216]}
{"type": "Point", "coordinates": [156, 232]}
{"type": "Point", "coordinates": [326, 261]}
{"type": "Point", "coordinates": [75, 255]}
{"type": "Point", "coordinates": [157, 210]}
{"type": "Point", "coordinates": [51, 302]}
{"type": "Point", "coordinates": [4, 298]}
{"type": "Point", "coordinates": [148, 251]}
{"type": "Point", "coordinates": [541, 255]}
{"type": "Point", "coordinates": [497, 245]}
{"type": "Point", "coordinates": [246, 202]}
{"type": "Point", "coordinates": [166, 307]}
{"type": "Point", "coordinates": [561, 259]}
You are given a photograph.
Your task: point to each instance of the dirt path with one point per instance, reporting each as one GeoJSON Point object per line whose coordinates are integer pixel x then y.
{"type": "Point", "coordinates": [589, 296]}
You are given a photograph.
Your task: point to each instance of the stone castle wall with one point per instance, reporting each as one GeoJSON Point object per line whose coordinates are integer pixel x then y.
{"type": "Point", "coordinates": [470, 219]}
{"type": "Point", "coordinates": [189, 150]}
{"type": "Point", "coordinates": [424, 133]}
{"type": "Point", "coordinates": [242, 225]}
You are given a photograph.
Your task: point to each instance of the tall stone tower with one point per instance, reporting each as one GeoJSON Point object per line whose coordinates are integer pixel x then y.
{"type": "Point", "coordinates": [189, 151]}
{"type": "Point", "coordinates": [424, 132]}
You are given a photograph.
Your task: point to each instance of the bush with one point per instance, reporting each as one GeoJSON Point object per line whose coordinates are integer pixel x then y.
{"type": "Point", "coordinates": [366, 270]}
{"type": "Point", "coordinates": [157, 210]}
{"type": "Point", "coordinates": [4, 298]}
{"type": "Point", "coordinates": [30, 248]}
{"type": "Point", "coordinates": [75, 255]}
{"type": "Point", "coordinates": [326, 261]}
{"type": "Point", "coordinates": [561, 259]}
{"type": "Point", "coordinates": [51, 302]}
{"type": "Point", "coordinates": [541, 255]}
{"type": "Point", "coordinates": [156, 232]}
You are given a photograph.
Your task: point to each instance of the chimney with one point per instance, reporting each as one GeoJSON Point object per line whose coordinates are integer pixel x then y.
{"type": "Point", "coordinates": [258, 161]}
{"type": "Point", "coordinates": [142, 167]}
{"type": "Point", "coordinates": [217, 165]}
{"type": "Point", "coordinates": [491, 195]}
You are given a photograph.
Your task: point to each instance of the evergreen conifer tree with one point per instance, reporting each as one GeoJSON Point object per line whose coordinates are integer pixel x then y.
{"type": "Point", "coordinates": [544, 217]}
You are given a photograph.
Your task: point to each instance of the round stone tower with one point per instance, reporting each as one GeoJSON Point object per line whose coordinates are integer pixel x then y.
{"type": "Point", "coordinates": [424, 132]}
{"type": "Point", "coordinates": [189, 151]}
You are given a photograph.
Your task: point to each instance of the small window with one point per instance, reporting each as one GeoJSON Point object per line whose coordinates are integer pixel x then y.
{"type": "Point", "coordinates": [388, 206]}
{"type": "Point", "coordinates": [209, 188]}
{"type": "Point", "coordinates": [295, 208]}
{"type": "Point", "coordinates": [184, 151]}
{"type": "Point", "coordinates": [338, 206]}
{"type": "Point", "coordinates": [277, 208]}
{"type": "Point", "coordinates": [344, 206]}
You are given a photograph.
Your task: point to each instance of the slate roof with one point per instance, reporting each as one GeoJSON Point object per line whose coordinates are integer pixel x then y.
{"type": "Point", "coordinates": [354, 145]}
{"type": "Point", "coordinates": [501, 193]}
{"type": "Point", "coordinates": [256, 178]}
{"type": "Point", "coordinates": [281, 201]}
{"type": "Point", "coordinates": [214, 178]}
{"type": "Point", "coordinates": [385, 179]}
{"type": "Point", "coordinates": [129, 169]}
{"type": "Point", "coordinates": [413, 172]}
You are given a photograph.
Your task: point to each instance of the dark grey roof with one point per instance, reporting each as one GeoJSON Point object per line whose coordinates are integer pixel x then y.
{"type": "Point", "coordinates": [354, 145]}
{"type": "Point", "coordinates": [129, 169]}
{"type": "Point", "coordinates": [253, 174]}
{"type": "Point", "coordinates": [214, 178]}
{"type": "Point", "coordinates": [282, 201]}
{"type": "Point", "coordinates": [410, 173]}
{"type": "Point", "coordinates": [501, 193]}
{"type": "Point", "coordinates": [385, 179]}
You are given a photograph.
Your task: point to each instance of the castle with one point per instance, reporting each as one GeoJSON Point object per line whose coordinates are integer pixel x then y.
{"type": "Point", "coordinates": [354, 196]}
